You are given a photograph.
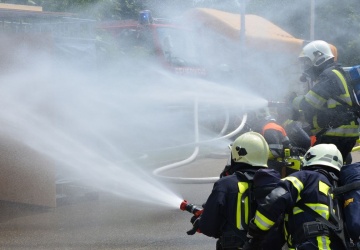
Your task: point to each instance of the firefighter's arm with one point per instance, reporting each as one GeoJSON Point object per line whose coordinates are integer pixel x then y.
{"type": "Point", "coordinates": [277, 202]}
{"type": "Point", "coordinates": [296, 102]}
{"type": "Point", "coordinates": [266, 217]}
{"type": "Point", "coordinates": [274, 205]}
{"type": "Point", "coordinates": [212, 216]}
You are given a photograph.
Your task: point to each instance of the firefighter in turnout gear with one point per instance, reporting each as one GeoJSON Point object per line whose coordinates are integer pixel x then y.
{"type": "Point", "coordinates": [230, 205]}
{"type": "Point", "coordinates": [275, 135]}
{"type": "Point", "coordinates": [327, 105]}
{"type": "Point", "coordinates": [312, 216]}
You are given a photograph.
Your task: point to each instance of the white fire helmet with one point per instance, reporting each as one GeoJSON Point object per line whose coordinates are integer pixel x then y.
{"type": "Point", "coordinates": [250, 148]}
{"type": "Point", "coordinates": [323, 155]}
{"type": "Point", "coordinates": [315, 54]}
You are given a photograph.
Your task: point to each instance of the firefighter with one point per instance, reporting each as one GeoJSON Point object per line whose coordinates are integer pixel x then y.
{"type": "Point", "coordinates": [326, 105]}
{"type": "Point", "coordinates": [275, 135]}
{"type": "Point", "coordinates": [311, 213]}
{"type": "Point", "coordinates": [228, 208]}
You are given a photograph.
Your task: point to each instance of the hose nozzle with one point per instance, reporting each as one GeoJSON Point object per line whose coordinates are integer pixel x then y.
{"type": "Point", "coordinates": [191, 208]}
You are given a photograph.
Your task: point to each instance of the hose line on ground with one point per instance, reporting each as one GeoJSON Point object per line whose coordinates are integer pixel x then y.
{"type": "Point", "coordinates": [157, 172]}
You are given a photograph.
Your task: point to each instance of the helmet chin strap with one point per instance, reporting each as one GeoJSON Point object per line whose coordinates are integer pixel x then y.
{"type": "Point", "coordinates": [310, 74]}
{"type": "Point", "coordinates": [304, 77]}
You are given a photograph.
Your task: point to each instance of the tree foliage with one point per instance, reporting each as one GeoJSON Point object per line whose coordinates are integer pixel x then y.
{"type": "Point", "coordinates": [335, 22]}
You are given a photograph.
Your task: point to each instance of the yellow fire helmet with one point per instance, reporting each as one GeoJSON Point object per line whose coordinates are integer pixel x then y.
{"type": "Point", "coordinates": [250, 148]}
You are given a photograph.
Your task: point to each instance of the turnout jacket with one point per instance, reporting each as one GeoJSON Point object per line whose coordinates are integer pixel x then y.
{"type": "Point", "coordinates": [308, 187]}
{"type": "Point", "coordinates": [276, 137]}
{"type": "Point", "coordinates": [324, 112]}
{"type": "Point", "coordinates": [223, 209]}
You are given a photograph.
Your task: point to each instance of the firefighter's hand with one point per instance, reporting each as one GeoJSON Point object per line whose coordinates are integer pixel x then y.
{"type": "Point", "coordinates": [195, 222]}
{"type": "Point", "coordinates": [290, 97]}
{"type": "Point", "coordinates": [193, 219]}
{"type": "Point", "coordinates": [255, 232]}
{"type": "Point", "coordinates": [255, 236]}
{"type": "Point", "coordinates": [252, 244]}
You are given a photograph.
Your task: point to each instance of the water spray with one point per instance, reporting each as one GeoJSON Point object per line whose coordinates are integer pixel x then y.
{"type": "Point", "coordinates": [276, 104]}
{"type": "Point", "coordinates": [157, 172]}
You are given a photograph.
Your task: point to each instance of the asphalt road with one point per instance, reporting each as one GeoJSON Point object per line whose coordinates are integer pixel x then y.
{"type": "Point", "coordinates": [110, 222]}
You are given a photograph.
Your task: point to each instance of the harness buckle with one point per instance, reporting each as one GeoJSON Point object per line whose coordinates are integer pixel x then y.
{"type": "Point", "coordinates": [314, 229]}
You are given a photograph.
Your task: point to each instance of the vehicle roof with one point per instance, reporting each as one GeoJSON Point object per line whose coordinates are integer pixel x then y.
{"type": "Point", "coordinates": [260, 33]}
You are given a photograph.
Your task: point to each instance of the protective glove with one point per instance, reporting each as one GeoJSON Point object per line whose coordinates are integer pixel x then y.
{"type": "Point", "coordinates": [252, 244]}
{"type": "Point", "coordinates": [290, 97]}
{"type": "Point", "coordinates": [195, 222]}
{"type": "Point", "coordinates": [193, 219]}
{"type": "Point", "coordinates": [256, 237]}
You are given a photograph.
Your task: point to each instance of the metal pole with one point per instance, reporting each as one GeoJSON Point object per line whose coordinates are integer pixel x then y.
{"type": "Point", "coordinates": [242, 24]}
{"type": "Point", "coordinates": [312, 20]}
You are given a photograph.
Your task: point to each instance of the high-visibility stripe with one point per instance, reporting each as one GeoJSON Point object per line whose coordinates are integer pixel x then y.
{"type": "Point", "coordinates": [346, 97]}
{"type": "Point", "coordinates": [243, 186]}
{"type": "Point", "coordinates": [351, 130]}
{"type": "Point", "coordinates": [314, 99]}
{"type": "Point", "coordinates": [296, 183]}
{"type": "Point", "coordinates": [323, 242]}
{"type": "Point", "coordinates": [287, 122]}
{"type": "Point", "coordinates": [324, 188]}
{"type": "Point", "coordinates": [297, 100]}
{"type": "Point", "coordinates": [319, 208]}
{"type": "Point", "coordinates": [262, 222]}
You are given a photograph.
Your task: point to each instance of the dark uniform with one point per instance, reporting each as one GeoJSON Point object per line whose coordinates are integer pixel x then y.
{"type": "Point", "coordinates": [276, 136]}
{"type": "Point", "coordinates": [228, 209]}
{"type": "Point", "coordinates": [331, 121]}
{"type": "Point", "coordinates": [299, 138]}
{"type": "Point", "coordinates": [307, 187]}
{"type": "Point", "coordinates": [232, 202]}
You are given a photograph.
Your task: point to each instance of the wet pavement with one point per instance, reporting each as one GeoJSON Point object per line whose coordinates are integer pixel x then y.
{"type": "Point", "coordinates": [109, 222]}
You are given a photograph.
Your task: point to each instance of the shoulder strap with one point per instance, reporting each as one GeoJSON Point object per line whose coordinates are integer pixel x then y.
{"type": "Point", "coordinates": [318, 217]}
{"type": "Point", "coordinates": [335, 214]}
{"type": "Point", "coordinates": [355, 104]}
{"type": "Point", "coordinates": [248, 177]}
{"type": "Point", "coordinates": [338, 229]}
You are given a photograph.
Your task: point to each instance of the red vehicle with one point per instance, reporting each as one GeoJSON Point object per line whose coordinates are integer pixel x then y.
{"type": "Point", "coordinates": [173, 46]}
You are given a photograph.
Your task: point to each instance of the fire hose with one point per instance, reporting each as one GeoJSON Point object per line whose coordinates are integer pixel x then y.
{"type": "Point", "coordinates": [157, 172]}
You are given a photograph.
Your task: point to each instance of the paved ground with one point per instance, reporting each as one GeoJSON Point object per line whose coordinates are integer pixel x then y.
{"type": "Point", "coordinates": [110, 222]}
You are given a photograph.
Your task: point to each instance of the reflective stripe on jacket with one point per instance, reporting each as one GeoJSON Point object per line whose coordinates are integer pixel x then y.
{"type": "Point", "coordinates": [319, 100]}
{"type": "Point", "coordinates": [308, 187]}
{"type": "Point", "coordinates": [227, 206]}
